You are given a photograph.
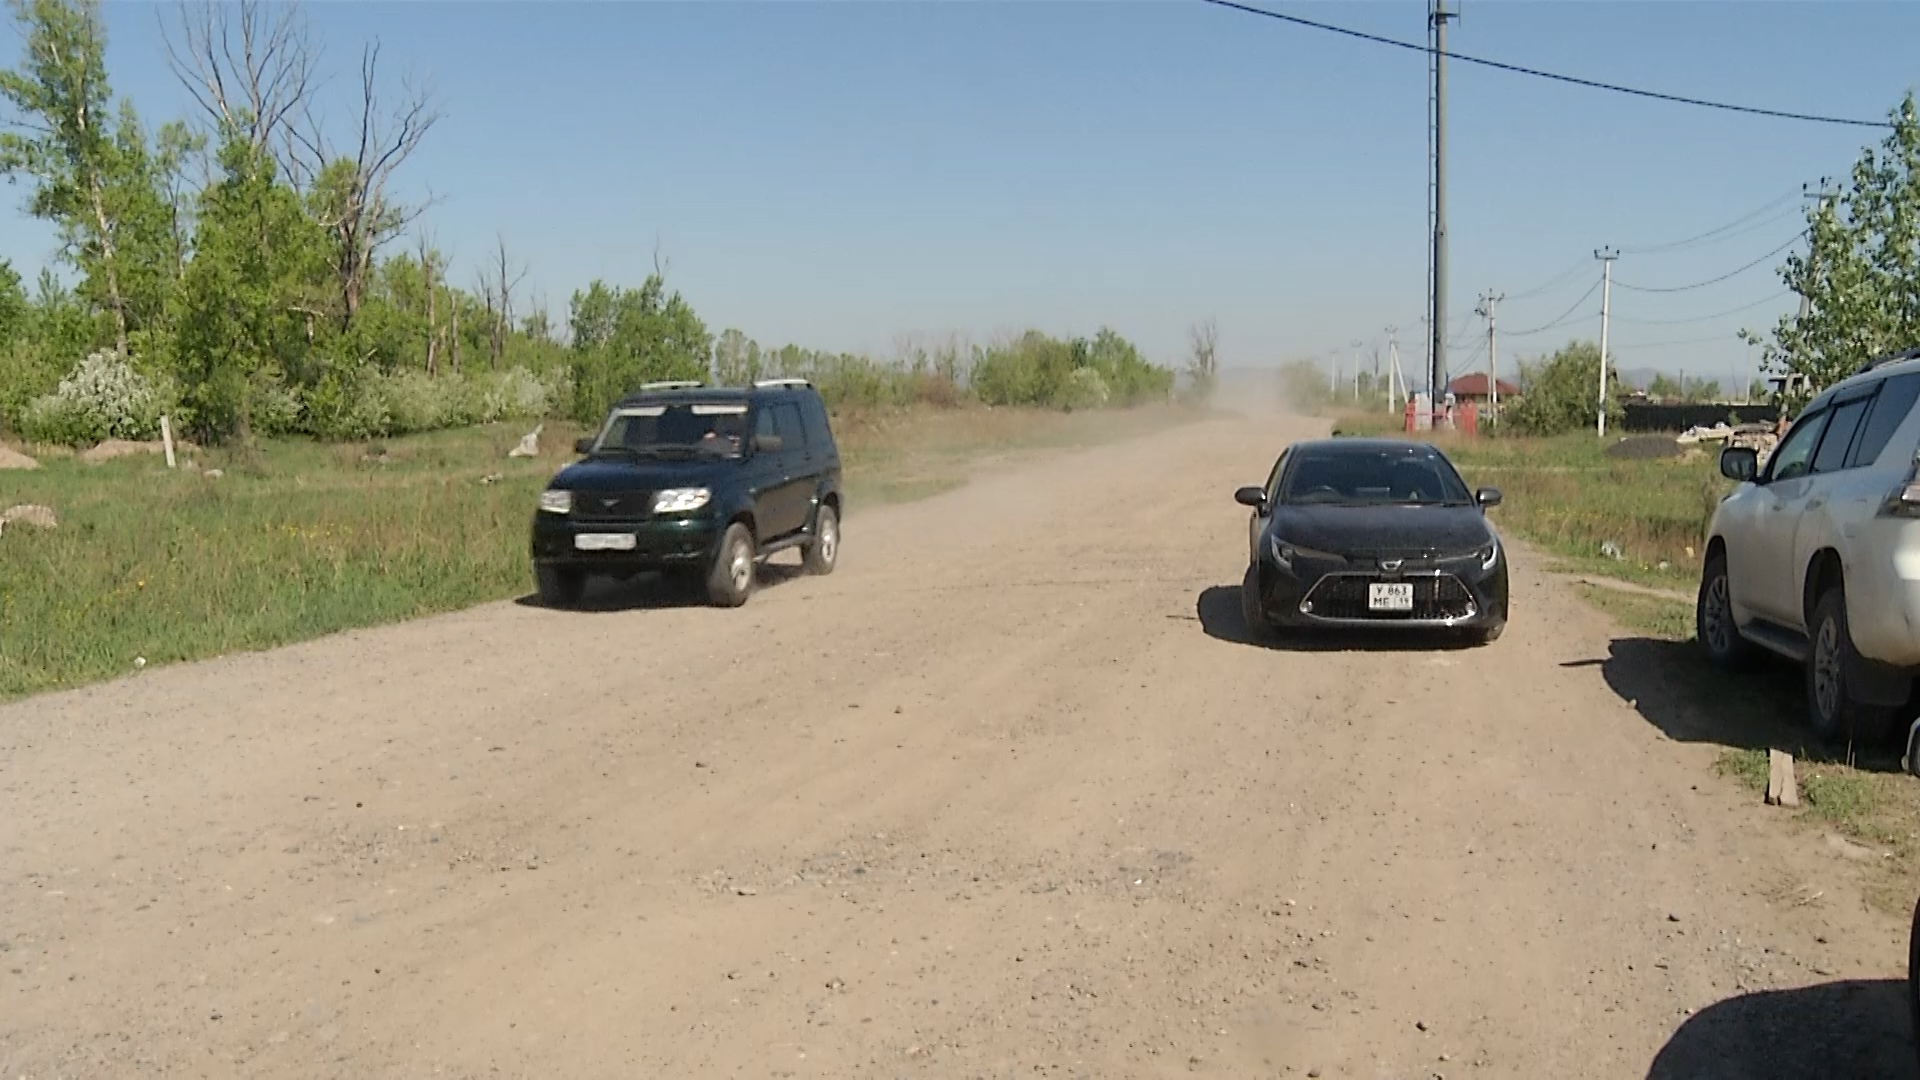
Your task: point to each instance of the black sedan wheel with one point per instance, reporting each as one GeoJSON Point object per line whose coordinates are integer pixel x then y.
{"type": "Point", "coordinates": [1251, 611]}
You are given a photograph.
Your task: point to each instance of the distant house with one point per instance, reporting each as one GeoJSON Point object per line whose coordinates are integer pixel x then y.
{"type": "Point", "coordinates": [1474, 388]}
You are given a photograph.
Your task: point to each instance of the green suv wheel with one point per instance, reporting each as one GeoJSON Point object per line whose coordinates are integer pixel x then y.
{"type": "Point", "coordinates": [559, 586]}
{"type": "Point", "coordinates": [824, 550]}
{"type": "Point", "coordinates": [730, 581]}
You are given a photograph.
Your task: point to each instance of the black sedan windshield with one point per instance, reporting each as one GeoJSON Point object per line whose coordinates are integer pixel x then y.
{"type": "Point", "coordinates": [1412, 475]}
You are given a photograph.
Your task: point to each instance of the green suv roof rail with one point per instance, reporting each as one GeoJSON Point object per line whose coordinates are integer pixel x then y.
{"type": "Point", "coordinates": [781, 384]}
{"type": "Point", "coordinates": [671, 384]}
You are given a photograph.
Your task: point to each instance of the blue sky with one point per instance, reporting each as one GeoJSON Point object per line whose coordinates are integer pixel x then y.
{"type": "Point", "coordinates": [838, 174]}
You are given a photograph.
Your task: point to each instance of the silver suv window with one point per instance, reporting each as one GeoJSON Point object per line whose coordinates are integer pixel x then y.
{"type": "Point", "coordinates": [1890, 407]}
{"type": "Point", "coordinates": [1796, 450]}
{"type": "Point", "coordinates": [1843, 420]}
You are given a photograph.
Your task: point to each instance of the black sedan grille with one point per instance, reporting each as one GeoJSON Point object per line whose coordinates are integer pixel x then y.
{"type": "Point", "coordinates": [612, 505]}
{"type": "Point", "coordinates": [1436, 598]}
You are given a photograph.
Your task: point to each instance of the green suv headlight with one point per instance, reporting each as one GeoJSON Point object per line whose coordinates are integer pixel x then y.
{"type": "Point", "coordinates": [553, 501]}
{"type": "Point", "coordinates": [681, 500]}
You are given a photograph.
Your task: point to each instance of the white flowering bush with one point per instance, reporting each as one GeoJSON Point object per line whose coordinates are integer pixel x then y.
{"type": "Point", "coordinates": [1085, 389]}
{"type": "Point", "coordinates": [102, 398]}
{"type": "Point", "coordinates": [273, 407]}
{"type": "Point", "coordinates": [512, 394]}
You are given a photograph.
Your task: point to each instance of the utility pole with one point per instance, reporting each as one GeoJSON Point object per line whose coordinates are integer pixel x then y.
{"type": "Point", "coordinates": [1606, 257]}
{"type": "Point", "coordinates": [1822, 197]}
{"type": "Point", "coordinates": [1393, 367]}
{"type": "Point", "coordinates": [1488, 303]}
{"type": "Point", "coordinates": [1353, 355]}
{"type": "Point", "coordinates": [1333, 373]}
{"type": "Point", "coordinates": [1437, 18]}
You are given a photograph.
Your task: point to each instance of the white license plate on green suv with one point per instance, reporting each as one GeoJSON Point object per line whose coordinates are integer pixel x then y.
{"type": "Point", "coordinates": [603, 541]}
{"type": "Point", "coordinates": [1390, 596]}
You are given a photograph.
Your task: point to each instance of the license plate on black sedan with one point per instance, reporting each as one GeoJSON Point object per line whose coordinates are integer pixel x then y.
{"type": "Point", "coordinates": [1390, 596]}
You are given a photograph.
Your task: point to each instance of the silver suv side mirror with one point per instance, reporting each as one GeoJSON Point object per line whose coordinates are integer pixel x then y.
{"type": "Point", "coordinates": [1740, 463]}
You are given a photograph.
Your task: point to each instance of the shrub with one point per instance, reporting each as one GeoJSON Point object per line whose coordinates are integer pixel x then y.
{"type": "Point", "coordinates": [1558, 394]}
{"type": "Point", "coordinates": [1085, 390]}
{"type": "Point", "coordinates": [102, 398]}
{"type": "Point", "coordinates": [273, 407]}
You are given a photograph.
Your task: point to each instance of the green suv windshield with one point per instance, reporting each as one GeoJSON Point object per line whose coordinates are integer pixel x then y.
{"type": "Point", "coordinates": [711, 430]}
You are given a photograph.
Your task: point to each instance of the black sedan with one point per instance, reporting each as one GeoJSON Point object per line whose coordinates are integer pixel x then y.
{"type": "Point", "coordinates": [1372, 533]}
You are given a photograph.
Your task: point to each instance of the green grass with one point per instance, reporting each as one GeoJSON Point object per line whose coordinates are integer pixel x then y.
{"type": "Point", "coordinates": [299, 539]}
{"type": "Point", "coordinates": [1748, 766]}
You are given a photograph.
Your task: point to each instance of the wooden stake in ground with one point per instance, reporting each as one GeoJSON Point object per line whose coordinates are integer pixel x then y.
{"type": "Point", "coordinates": [1781, 789]}
{"type": "Point", "coordinates": [166, 440]}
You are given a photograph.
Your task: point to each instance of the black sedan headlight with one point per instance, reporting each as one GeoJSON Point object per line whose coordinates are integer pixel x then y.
{"type": "Point", "coordinates": [1284, 553]}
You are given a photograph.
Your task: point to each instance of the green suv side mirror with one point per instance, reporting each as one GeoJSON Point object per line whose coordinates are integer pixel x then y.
{"type": "Point", "coordinates": [767, 444]}
{"type": "Point", "coordinates": [1251, 496]}
{"type": "Point", "coordinates": [583, 446]}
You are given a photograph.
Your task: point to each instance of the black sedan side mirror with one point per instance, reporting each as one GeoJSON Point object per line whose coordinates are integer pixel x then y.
{"type": "Point", "coordinates": [1487, 497]}
{"type": "Point", "coordinates": [767, 444]}
{"type": "Point", "coordinates": [1251, 496]}
{"type": "Point", "coordinates": [583, 446]}
{"type": "Point", "coordinates": [1740, 463]}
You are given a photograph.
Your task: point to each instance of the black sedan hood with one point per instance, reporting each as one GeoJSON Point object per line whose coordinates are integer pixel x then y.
{"type": "Point", "coordinates": [1398, 531]}
{"type": "Point", "coordinates": [639, 474]}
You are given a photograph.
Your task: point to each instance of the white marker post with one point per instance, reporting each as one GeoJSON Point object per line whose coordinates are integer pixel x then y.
{"type": "Point", "coordinates": [166, 440]}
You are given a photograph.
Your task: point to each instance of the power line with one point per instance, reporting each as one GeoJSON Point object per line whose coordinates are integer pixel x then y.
{"type": "Point", "coordinates": [1553, 282]}
{"type": "Point", "coordinates": [1677, 245]}
{"type": "Point", "coordinates": [1681, 341]}
{"type": "Point", "coordinates": [1564, 318]}
{"type": "Point", "coordinates": [1797, 237]}
{"type": "Point", "coordinates": [1538, 74]}
{"type": "Point", "coordinates": [1704, 318]}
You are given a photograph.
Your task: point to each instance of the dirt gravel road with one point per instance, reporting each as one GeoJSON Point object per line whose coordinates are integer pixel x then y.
{"type": "Point", "coordinates": [1009, 794]}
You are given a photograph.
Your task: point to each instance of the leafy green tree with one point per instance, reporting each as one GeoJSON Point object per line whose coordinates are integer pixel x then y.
{"type": "Point", "coordinates": [1861, 273]}
{"type": "Point", "coordinates": [1560, 393]}
{"type": "Point", "coordinates": [625, 337]}
{"type": "Point", "coordinates": [1702, 390]}
{"type": "Point", "coordinates": [254, 303]}
{"type": "Point", "coordinates": [736, 359]}
{"type": "Point", "coordinates": [91, 171]}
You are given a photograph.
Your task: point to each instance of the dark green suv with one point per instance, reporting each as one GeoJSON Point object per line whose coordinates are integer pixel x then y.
{"type": "Point", "coordinates": [696, 480]}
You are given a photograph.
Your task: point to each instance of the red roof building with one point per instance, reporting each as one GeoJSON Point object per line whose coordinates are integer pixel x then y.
{"type": "Point", "coordinates": [1474, 388]}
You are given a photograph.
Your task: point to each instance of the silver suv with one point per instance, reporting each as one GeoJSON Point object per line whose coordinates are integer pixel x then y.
{"type": "Point", "coordinates": [1816, 557]}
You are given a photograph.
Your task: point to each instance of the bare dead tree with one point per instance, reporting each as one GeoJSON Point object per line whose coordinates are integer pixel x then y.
{"type": "Point", "coordinates": [1203, 339]}
{"type": "Point", "coordinates": [352, 185]}
{"type": "Point", "coordinates": [498, 293]}
{"type": "Point", "coordinates": [427, 269]}
{"type": "Point", "coordinates": [248, 65]}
